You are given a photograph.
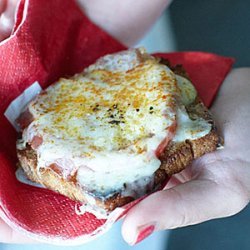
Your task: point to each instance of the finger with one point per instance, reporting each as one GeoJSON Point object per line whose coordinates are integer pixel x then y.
{"type": "Point", "coordinates": [11, 7]}
{"type": "Point", "coordinates": [5, 26]}
{"type": "Point", "coordinates": [8, 235]}
{"type": "Point", "coordinates": [7, 16]}
{"type": "Point", "coordinates": [186, 204]}
{"type": "Point", "coordinates": [2, 6]}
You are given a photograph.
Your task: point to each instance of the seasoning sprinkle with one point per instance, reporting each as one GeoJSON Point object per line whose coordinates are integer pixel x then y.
{"type": "Point", "coordinates": [116, 122]}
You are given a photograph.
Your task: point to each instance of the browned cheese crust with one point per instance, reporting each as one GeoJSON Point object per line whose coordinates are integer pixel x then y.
{"type": "Point", "coordinates": [175, 158]}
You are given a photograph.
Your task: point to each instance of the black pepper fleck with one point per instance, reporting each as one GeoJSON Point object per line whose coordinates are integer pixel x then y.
{"type": "Point", "coordinates": [96, 108]}
{"type": "Point", "coordinates": [137, 110]}
{"type": "Point", "coordinates": [116, 122]}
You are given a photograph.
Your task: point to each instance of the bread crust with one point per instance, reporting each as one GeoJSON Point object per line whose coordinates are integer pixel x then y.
{"type": "Point", "coordinates": [175, 158]}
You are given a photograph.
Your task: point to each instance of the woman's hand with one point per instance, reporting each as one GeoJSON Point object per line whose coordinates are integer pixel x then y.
{"type": "Point", "coordinates": [216, 185]}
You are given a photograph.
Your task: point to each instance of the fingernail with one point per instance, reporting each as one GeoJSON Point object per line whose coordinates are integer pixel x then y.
{"type": "Point", "coordinates": [144, 232]}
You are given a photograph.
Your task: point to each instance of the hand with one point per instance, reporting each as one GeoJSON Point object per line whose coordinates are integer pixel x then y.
{"type": "Point", "coordinates": [7, 14]}
{"type": "Point", "coordinates": [216, 185]}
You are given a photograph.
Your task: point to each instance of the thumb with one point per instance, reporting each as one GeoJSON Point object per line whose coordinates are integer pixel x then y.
{"type": "Point", "coordinates": [186, 204]}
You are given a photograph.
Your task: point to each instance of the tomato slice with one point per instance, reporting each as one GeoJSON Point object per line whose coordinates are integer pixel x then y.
{"type": "Point", "coordinates": [170, 135]}
{"type": "Point", "coordinates": [36, 141]}
{"type": "Point", "coordinates": [25, 119]}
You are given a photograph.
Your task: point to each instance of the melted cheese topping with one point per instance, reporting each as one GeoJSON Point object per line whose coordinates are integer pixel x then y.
{"type": "Point", "coordinates": [106, 123]}
{"type": "Point", "coordinates": [186, 127]}
{"type": "Point", "coordinates": [188, 92]}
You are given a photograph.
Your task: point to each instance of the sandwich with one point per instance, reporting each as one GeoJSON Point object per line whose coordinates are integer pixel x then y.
{"type": "Point", "coordinates": [115, 132]}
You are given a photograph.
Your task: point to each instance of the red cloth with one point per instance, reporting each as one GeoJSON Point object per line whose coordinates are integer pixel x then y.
{"type": "Point", "coordinates": [52, 39]}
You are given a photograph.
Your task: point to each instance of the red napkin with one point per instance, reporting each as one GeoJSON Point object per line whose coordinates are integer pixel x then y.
{"type": "Point", "coordinates": [52, 39]}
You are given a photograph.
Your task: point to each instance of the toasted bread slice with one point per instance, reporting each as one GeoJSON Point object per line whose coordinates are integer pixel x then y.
{"type": "Point", "coordinates": [174, 158]}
